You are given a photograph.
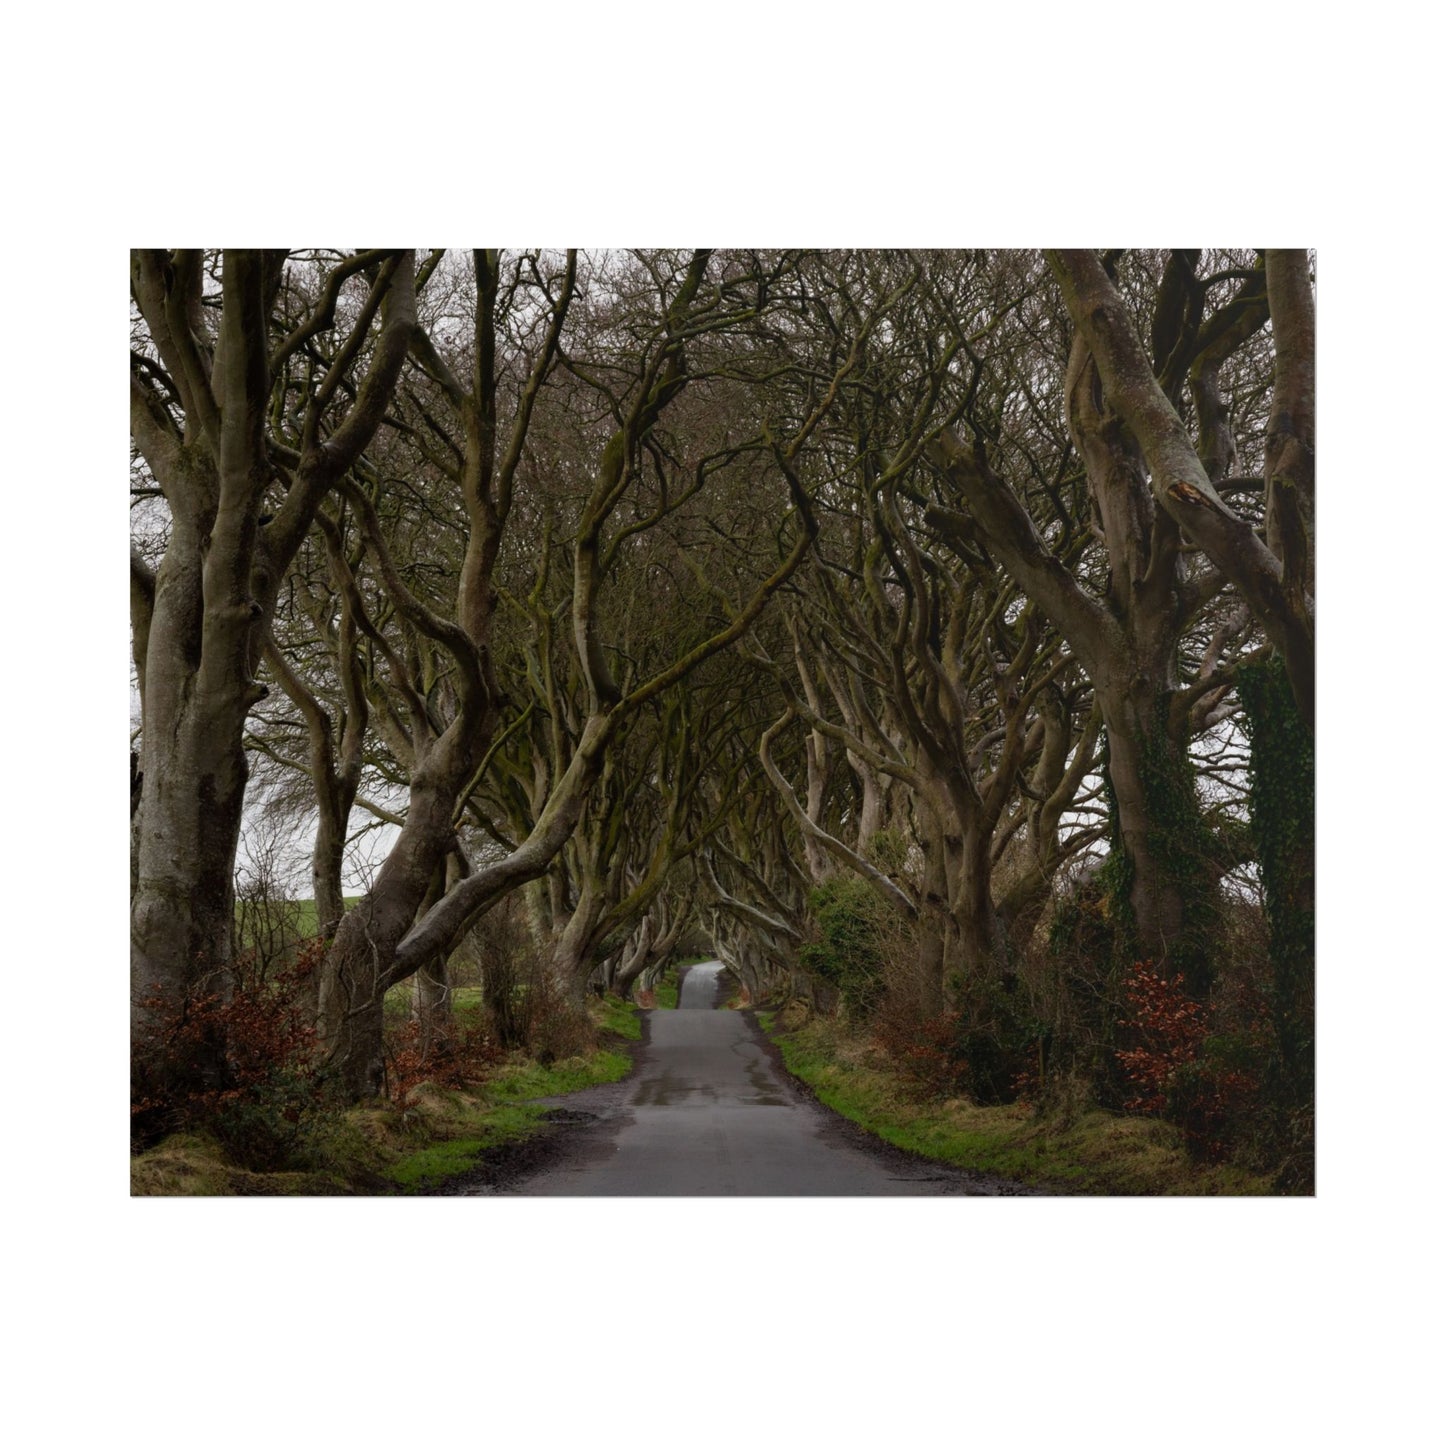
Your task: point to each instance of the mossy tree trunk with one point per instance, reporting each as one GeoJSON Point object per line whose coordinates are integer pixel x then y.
{"type": "Point", "coordinates": [1282, 808]}
{"type": "Point", "coordinates": [1169, 888]}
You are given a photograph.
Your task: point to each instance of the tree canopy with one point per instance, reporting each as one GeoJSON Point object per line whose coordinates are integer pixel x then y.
{"type": "Point", "coordinates": [885, 618]}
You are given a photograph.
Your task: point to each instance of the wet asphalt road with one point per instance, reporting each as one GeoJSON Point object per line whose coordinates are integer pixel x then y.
{"type": "Point", "coordinates": [700, 986]}
{"type": "Point", "coordinates": [708, 1112]}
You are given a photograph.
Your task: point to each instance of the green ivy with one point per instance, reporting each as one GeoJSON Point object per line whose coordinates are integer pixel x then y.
{"type": "Point", "coordinates": [850, 955]}
{"type": "Point", "coordinates": [1116, 876]}
{"type": "Point", "coordinates": [1282, 819]}
{"type": "Point", "coordinates": [1181, 845]}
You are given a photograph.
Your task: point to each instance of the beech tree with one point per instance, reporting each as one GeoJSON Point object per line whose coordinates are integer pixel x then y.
{"type": "Point", "coordinates": [916, 655]}
{"type": "Point", "coordinates": [666, 310]}
{"type": "Point", "coordinates": [1128, 637]}
{"type": "Point", "coordinates": [671, 586]}
{"type": "Point", "coordinates": [1275, 577]}
{"type": "Point", "coordinates": [253, 391]}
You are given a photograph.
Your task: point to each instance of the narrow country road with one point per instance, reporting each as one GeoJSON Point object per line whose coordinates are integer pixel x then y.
{"type": "Point", "coordinates": [708, 1111]}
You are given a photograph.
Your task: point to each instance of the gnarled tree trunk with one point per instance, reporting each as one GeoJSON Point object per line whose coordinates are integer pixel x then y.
{"type": "Point", "coordinates": [203, 615]}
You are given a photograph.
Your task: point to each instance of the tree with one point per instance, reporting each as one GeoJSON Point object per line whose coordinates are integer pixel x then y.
{"type": "Point", "coordinates": [805, 592]}
{"type": "Point", "coordinates": [1181, 485]}
{"type": "Point", "coordinates": [250, 400]}
{"type": "Point", "coordinates": [1129, 638]}
{"type": "Point", "coordinates": [664, 310]}
{"type": "Point", "coordinates": [914, 652]}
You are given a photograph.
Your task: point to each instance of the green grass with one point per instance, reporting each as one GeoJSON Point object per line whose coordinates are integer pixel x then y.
{"type": "Point", "coordinates": [1087, 1151]}
{"type": "Point", "coordinates": [533, 1081]}
{"type": "Point", "coordinates": [429, 1167]}
{"type": "Point", "coordinates": [466, 1004]}
{"type": "Point", "coordinates": [668, 987]}
{"type": "Point", "coordinates": [505, 1113]}
{"type": "Point", "coordinates": [385, 1149]}
{"type": "Point", "coordinates": [299, 913]}
{"type": "Point", "coordinates": [620, 1018]}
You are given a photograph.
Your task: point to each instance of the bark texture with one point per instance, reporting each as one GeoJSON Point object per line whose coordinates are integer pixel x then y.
{"type": "Point", "coordinates": [200, 418]}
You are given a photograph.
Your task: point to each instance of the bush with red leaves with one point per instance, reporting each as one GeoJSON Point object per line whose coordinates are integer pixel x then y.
{"type": "Point", "coordinates": [925, 1052]}
{"type": "Point", "coordinates": [449, 1060]}
{"type": "Point", "coordinates": [1205, 1083]}
{"type": "Point", "coordinates": [240, 1068]}
{"type": "Point", "coordinates": [1171, 1026]}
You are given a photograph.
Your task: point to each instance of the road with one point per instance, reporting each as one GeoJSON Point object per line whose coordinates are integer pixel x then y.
{"type": "Point", "coordinates": [707, 1111]}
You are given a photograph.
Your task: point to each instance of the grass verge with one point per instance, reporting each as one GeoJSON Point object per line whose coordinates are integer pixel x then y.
{"type": "Point", "coordinates": [381, 1148]}
{"type": "Point", "coordinates": [613, 1016]}
{"type": "Point", "coordinates": [1075, 1151]}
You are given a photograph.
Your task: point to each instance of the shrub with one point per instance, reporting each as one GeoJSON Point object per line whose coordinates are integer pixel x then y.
{"type": "Point", "coordinates": [451, 1059]}
{"type": "Point", "coordinates": [851, 919]}
{"type": "Point", "coordinates": [1170, 1027]}
{"type": "Point", "coordinates": [923, 1052]}
{"type": "Point", "coordinates": [257, 1092]}
{"type": "Point", "coordinates": [1073, 976]}
{"type": "Point", "coordinates": [524, 1006]}
{"type": "Point", "coordinates": [986, 1048]}
{"type": "Point", "coordinates": [998, 1035]}
{"type": "Point", "coordinates": [1188, 1070]}
{"type": "Point", "coordinates": [1210, 1100]}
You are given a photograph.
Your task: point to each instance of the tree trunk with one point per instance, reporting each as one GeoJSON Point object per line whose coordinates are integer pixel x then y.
{"type": "Point", "coordinates": [328, 856]}
{"type": "Point", "coordinates": [573, 957]}
{"type": "Point", "coordinates": [1180, 481]}
{"type": "Point", "coordinates": [544, 903]}
{"type": "Point", "coordinates": [981, 948]}
{"type": "Point", "coordinates": [368, 952]}
{"type": "Point", "coordinates": [1055, 785]}
{"type": "Point", "coordinates": [349, 1024]}
{"type": "Point", "coordinates": [747, 967]}
{"type": "Point", "coordinates": [633, 961]}
{"type": "Point", "coordinates": [820, 865]}
{"type": "Point", "coordinates": [968, 941]}
{"type": "Point", "coordinates": [870, 805]}
{"type": "Point", "coordinates": [931, 963]}
{"type": "Point", "coordinates": [1162, 877]}
{"type": "Point", "coordinates": [1282, 802]}
{"type": "Point", "coordinates": [192, 791]}
{"type": "Point", "coordinates": [202, 624]}
{"type": "Point", "coordinates": [431, 1004]}
{"type": "Point", "coordinates": [934, 920]}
